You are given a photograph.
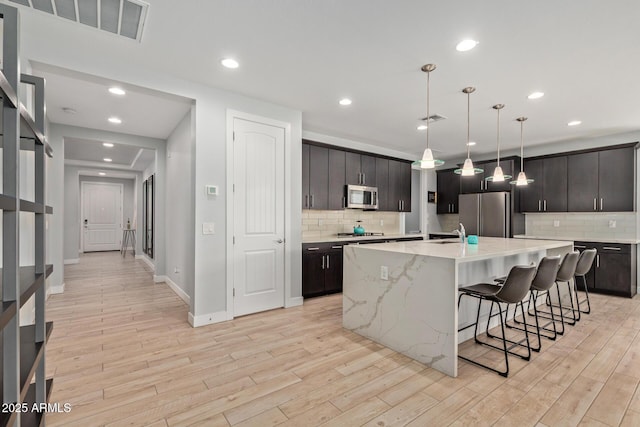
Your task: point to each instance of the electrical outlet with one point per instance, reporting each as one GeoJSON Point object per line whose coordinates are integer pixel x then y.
{"type": "Point", "coordinates": [175, 270]}
{"type": "Point", "coordinates": [612, 223]}
{"type": "Point", "coordinates": [381, 223]}
{"type": "Point", "coordinates": [384, 272]}
{"type": "Point", "coordinates": [556, 223]}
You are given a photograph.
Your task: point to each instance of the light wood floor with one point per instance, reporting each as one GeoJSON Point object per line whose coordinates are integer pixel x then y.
{"type": "Point", "coordinates": [122, 353]}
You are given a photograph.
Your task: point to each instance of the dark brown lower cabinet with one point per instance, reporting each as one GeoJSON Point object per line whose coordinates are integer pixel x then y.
{"type": "Point", "coordinates": [321, 269]}
{"type": "Point", "coordinates": [614, 269]}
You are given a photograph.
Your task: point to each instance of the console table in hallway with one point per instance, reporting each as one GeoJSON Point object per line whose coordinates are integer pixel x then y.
{"type": "Point", "coordinates": [128, 237]}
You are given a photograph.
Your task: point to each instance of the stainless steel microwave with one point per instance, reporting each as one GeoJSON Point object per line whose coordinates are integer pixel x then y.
{"type": "Point", "coordinates": [361, 197]}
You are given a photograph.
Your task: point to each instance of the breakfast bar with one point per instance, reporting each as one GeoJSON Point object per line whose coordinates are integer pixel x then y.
{"type": "Point", "coordinates": [404, 295]}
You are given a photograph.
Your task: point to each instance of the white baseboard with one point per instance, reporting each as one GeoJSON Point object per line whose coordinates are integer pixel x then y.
{"type": "Point", "coordinates": [208, 319]}
{"type": "Point", "coordinates": [56, 289]}
{"type": "Point", "coordinates": [146, 260]}
{"type": "Point", "coordinates": [178, 290]}
{"type": "Point", "coordinates": [159, 279]}
{"type": "Point", "coordinates": [293, 302]}
{"type": "Point", "coordinates": [72, 261]}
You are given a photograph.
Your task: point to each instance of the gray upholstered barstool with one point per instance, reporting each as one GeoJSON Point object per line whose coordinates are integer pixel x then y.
{"type": "Point", "coordinates": [582, 268]}
{"type": "Point", "coordinates": [544, 279]}
{"type": "Point", "coordinates": [515, 288]}
{"type": "Point", "coordinates": [565, 275]}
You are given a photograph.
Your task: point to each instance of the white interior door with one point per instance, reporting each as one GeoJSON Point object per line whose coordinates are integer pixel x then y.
{"type": "Point", "coordinates": [101, 216]}
{"type": "Point", "coordinates": [258, 216]}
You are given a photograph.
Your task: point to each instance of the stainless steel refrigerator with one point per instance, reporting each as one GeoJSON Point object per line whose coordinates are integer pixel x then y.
{"type": "Point", "coordinates": [486, 214]}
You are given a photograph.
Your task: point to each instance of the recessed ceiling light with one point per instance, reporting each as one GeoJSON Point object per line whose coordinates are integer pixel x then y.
{"type": "Point", "coordinates": [535, 95]}
{"type": "Point", "coordinates": [108, 160]}
{"type": "Point", "coordinates": [422, 127]}
{"type": "Point", "coordinates": [69, 110]}
{"type": "Point", "coordinates": [107, 144]}
{"type": "Point", "coordinates": [101, 173]}
{"type": "Point", "coordinates": [574, 123]}
{"type": "Point", "coordinates": [466, 45]}
{"type": "Point", "coordinates": [115, 120]}
{"type": "Point", "coordinates": [117, 91]}
{"type": "Point", "coordinates": [471, 143]}
{"type": "Point", "coordinates": [345, 101]}
{"type": "Point", "coordinates": [230, 63]}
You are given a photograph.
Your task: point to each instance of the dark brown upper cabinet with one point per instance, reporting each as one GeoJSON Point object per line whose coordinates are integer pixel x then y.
{"type": "Point", "coordinates": [548, 191]}
{"type": "Point", "coordinates": [361, 169]}
{"type": "Point", "coordinates": [602, 181]}
{"type": "Point", "coordinates": [399, 186]}
{"type": "Point", "coordinates": [315, 177]}
{"type": "Point", "coordinates": [448, 189]}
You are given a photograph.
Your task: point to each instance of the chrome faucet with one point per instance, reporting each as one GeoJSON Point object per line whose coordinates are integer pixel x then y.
{"type": "Point", "coordinates": [462, 233]}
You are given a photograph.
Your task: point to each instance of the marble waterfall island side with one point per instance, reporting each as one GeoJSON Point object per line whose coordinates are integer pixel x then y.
{"type": "Point", "coordinates": [414, 311]}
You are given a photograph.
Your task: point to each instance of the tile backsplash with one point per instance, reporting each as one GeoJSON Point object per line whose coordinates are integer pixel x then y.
{"type": "Point", "coordinates": [601, 225]}
{"type": "Point", "coordinates": [316, 223]}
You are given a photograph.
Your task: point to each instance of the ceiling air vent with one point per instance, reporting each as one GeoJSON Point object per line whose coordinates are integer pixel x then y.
{"type": "Point", "coordinates": [433, 118]}
{"type": "Point", "coordinates": [122, 17]}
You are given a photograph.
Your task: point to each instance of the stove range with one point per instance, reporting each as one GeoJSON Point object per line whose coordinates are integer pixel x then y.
{"type": "Point", "coordinates": [366, 234]}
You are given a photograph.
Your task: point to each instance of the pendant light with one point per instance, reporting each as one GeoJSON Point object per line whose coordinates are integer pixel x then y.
{"type": "Point", "coordinates": [522, 177]}
{"type": "Point", "coordinates": [427, 161]}
{"type": "Point", "coordinates": [498, 175]}
{"type": "Point", "coordinates": [468, 169]}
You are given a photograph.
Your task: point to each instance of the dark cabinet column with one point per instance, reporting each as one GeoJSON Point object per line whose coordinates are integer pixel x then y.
{"type": "Point", "coordinates": [305, 176]}
{"type": "Point", "coordinates": [353, 169]}
{"type": "Point", "coordinates": [616, 180]}
{"type": "Point", "coordinates": [318, 177]}
{"type": "Point", "coordinates": [312, 272]}
{"type": "Point", "coordinates": [582, 179]}
{"type": "Point", "coordinates": [337, 179]}
{"type": "Point", "coordinates": [368, 170]}
{"type": "Point", "coordinates": [382, 182]}
{"type": "Point", "coordinates": [531, 195]}
{"type": "Point", "coordinates": [555, 184]}
{"type": "Point", "coordinates": [333, 270]}
{"type": "Point", "coordinates": [400, 186]}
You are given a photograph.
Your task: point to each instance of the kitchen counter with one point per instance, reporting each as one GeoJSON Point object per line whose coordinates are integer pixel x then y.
{"type": "Point", "coordinates": [404, 295]}
{"type": "Point", "coordinates": [327, 239]}
{"type": "Point", "coordinates": [632, 241]}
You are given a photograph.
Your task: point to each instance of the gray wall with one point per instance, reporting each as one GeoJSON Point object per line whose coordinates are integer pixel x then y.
{"type": "Point", "coordinates": [179, 211]}
{"type": "Point", "coordinates": [72, 198]}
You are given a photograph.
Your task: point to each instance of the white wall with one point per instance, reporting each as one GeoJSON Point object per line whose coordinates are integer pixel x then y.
{"type": "Point", "coordinates": [180, 222]}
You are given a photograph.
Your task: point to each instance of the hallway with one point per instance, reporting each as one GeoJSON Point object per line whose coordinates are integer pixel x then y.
{"type": "Point", "coordinates": [122, 353]}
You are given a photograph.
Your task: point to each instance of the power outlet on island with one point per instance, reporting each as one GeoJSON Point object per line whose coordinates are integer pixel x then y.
{"type": "Point", "coordinates": [612, 223]}
{"type": "Point", "coordinates": [384, 272]}
{"type": "Point", "coordinates": [556, 223]}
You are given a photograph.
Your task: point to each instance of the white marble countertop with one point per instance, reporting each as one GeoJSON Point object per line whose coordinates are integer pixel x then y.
{"type": "Point", "coordinates": [326, 239]}
{"type": "Point", "coordinates": [487, 247]}
{"type": "Point", "coordinates": [632, 241]}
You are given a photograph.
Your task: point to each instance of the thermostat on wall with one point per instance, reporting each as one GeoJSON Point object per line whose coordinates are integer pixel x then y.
{"type": "Point", "coordinates": [211, 190]}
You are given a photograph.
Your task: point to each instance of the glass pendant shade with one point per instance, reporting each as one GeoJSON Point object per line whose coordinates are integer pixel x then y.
{"type": "Point", "coordinates": [498, 175]}
{"type": "Point", "coordinates": [427, 161]}
{"type": "Point", "coordinates": [468, 169]}
{"type": "Point", "coordinates": [522, 177]}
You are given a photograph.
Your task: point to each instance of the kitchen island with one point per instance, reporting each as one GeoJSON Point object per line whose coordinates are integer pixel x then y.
{"type": "Point", "coordinates": [404, 295]}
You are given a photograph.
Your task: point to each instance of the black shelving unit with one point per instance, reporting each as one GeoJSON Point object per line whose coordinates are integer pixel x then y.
{"type": "Point", "coordinates": [23, 347]}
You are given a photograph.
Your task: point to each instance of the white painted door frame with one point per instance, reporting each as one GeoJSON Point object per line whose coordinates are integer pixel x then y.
{"type": "Point", "coordinates": [81, 198]}
{"type": "Point", "coordinates": [231, 115]}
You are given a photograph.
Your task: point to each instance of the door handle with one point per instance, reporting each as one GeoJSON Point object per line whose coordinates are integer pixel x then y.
{"type": "Point", "coordinates": [594, 204]}
{"type": "Point", "coordinates": [364, 178]}
{"type": "Point", "coordinates": [539, 205]}
{"type": "Point", "coordinates": [545, 205]}
{"type": "Point", "coordinates": [327, 262]}
{"type": "Point", "coordinates": [600, 203]}
{"type": "Point", "coordinates": [609, 248]}
{"type": "Point", "coordinates": [279, 241]}
{"type": "Point", "coordinates": [598, 261]}
{"type": "Point", "coordinates": [311, 201]}
{"type": "Point", "coordinates": [323, 262]}
{"type": "Point", "coordinates": [399, 205]}
{"type": "Point", "coordinates": [306, 200]}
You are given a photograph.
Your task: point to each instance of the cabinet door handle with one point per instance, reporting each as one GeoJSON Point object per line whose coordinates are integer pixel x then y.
{"type": "Point", "coordinates": [545, 205]}
{"type": "Point", "coordinates": [594, 204]}
{"type": "Point", "coordinates": [600, 203]}
{"type": "Point", "coordinates": [598, 261]}
{"type": "Point", "coordinates": [313, 249]}
{"type": "Point", "coordinates": [306, 200]}
{"type": "Point", "coordinates": [311, 201]}
{"type": "Point", "coordinates": [399, 205]}
{"type": "Point", "coordinates": [364, 178]}
{"type": "Point", "coordinates": [609, 248]}
{"type": "Point", "coordinates": [327, 262]}
{"type": "Point", "coordinates": [336, 247]}
{"type": "Point", "coordinates": [579, 246]}
{"type": "Point", "coordinates": [344, 202]}
{"type": "Point", "coordinates": [539, 205]}
{"type": "Point", "coordinates": [323, 262]}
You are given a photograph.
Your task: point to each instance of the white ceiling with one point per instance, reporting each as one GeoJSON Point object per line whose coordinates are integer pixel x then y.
{"type": "Point", "coordinates": [89, 152]}
{"type": "Point", "coordinates": [306, 55]}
